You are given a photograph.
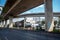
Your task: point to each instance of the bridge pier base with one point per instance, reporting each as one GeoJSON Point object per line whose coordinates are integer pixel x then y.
{"type": "Point", "coordinates": [2, 24]}
{"type": "Point", "coordinates": [59, 22]}
{"type": "Point", "coordinates": [24, 22]}
{"type": "Point", "coordinates": [5, 23]}
{"type": "Point", "coordinates": [10, 22]}
{"type": "Point", "coordinates": [48, 16]}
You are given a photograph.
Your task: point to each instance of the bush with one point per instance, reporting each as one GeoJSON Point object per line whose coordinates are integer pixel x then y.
{"type": "Point", "coordinates": [56, 30]}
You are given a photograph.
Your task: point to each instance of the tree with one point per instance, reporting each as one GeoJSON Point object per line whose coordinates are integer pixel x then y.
{"type": "Point", "coordinates": [43, 22]}
{"type": "Point", "coordinates": [1, 18]}
{"type": "Point", "coordinates": [55, 22]}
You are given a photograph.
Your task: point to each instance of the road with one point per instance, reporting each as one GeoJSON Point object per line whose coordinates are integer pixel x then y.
{"type": "Point", "coordinates": [12, 34]}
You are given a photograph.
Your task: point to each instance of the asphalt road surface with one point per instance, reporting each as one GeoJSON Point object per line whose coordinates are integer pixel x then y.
{"type": "Point", "coordinates": [11, 34]}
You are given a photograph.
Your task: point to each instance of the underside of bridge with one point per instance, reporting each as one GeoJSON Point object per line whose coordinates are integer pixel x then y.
{"type": "Point", "coordinates": [15, 7]}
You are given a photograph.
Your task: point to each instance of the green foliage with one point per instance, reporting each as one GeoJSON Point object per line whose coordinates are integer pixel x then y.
{"type": "Point", "coordinates": [43, 22]}
{"type": "Point", "coordinates": [1, 17]}
{"type": "Point", "coordinates": [5, 9]}
{"type": "Point", "coordinates": [55, 22]}
{"type": "Point", "coordinates": [56, 30]}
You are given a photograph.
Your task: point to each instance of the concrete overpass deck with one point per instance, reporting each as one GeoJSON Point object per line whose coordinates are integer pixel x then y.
{"type": "Point", "coordinates": [38, 15]}
{"type": "Point", "coordinates": [15, 7]}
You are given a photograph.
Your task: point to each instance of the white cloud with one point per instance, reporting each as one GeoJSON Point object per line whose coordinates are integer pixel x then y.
{"type": "Point", "coordinates": [27, 12]}
{"type": "Point", "coordinates": [40, 6]}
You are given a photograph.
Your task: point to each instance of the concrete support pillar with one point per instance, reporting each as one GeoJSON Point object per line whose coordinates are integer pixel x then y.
{"type": "Point", "coordinates": [10, 22]}
{"type": "Point", "coordinates": [35, 19]}
{"type": "Point", "coordinates": [59, 22]}
{"type": "Point", "coordinates": [5, 23]}
{"type": "Point", "coordinates": [33, 24]}
{"type": "Point", "coordinates": [39, 23]}
{"type": "Point", "coordinates": [39, 20]}
{"type": "Point", "coordinates": [49, 15]}
{"type": "Point", "coordinates": [24, 22]}
{"type": "Point", "coordinates": [0, 23]}
{"type": "Point", "coordinates": [59, 18]}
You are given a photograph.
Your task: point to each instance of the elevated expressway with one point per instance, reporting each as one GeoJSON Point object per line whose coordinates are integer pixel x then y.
{"type": "Point", "coordinates": [57, 14]}
{"type": "Point", "coordinates": [15, 7]}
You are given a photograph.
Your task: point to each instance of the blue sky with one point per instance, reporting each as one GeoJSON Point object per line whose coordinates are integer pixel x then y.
{"type": "Point", "coordinates": [56, 6]}
{"type": "Point", "coordinates": [2, 2]}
